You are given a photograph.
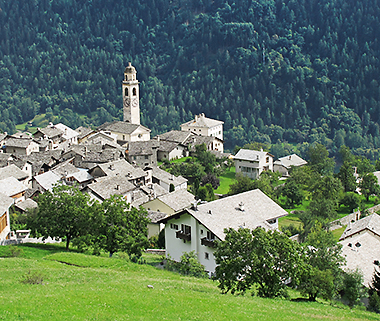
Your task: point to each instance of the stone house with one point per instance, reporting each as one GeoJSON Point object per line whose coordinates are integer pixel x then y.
{"type": "Point", "coordinates": [252, 163]}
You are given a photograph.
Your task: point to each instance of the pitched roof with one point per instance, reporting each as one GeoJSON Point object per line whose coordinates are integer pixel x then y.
{"type": "Point", "coordinates": [178, 200]}
{"type": "Point", "coordinates": [10, 186]}
{"type": "Point", "coordinates": [111, 186]}
{"type": "Point", "coordinates": [84, 131]}
{"type": "Point", "coordinates": [28, 203]}
{"type": "Point", "coordinates": [64, 169]}
{"type": "Point", "coordinates": [176, 136]}
{"type": "Point", "coordinates": [50, 131]}
{"type": "Point", "coordinates": [166, 146]}
{"type": "Point", "coordinates": [202, 121]}
{"type": "Point", "coordinates": [167, 177]}
{"type": "Point", "coordinates": [121, 127]}
{"type": "Point", "coordinates": [48, 180]}
{"type": "Point", "coordinates": [81, 176]}
{"type": "Point", "coordinates": [155, 217]}
{"type": "Point", "coordinates": [142, 148]}
{"type": "Point", "coordinates": [226, 212]}
{"type": "Point", "coordinates": [361, 251]}
{"type": "Point", "coordinates": [12, 171]}
{"type": "Point", "coordinates": [251, 155]}
{"type": "Point", "coordinates": [370, 223]}
{"type": "Point", "coordinates": [68, 132]}
{"type": "Point", "coordinates": [5, 203]}
{"type": "Point", "coordinates": [18, 142]}
{"type": "Point", "coordinates": [121, 168]}
{"type": "Point", "coordinates": [292, 160]}
{"type": "Point", "coordinates": [146, 193]}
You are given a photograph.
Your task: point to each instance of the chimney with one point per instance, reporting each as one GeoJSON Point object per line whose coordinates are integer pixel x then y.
{"type": "Point", "coordinates": [158, 138]}
{"type": "Point", "coordinates": [241, 206]}
{"type": "Point", "coordinates": [209, 212]}
{"type": "Point", "coordinates": [117, 187]}
{"type": "Point", "coordinates": [290, 156]}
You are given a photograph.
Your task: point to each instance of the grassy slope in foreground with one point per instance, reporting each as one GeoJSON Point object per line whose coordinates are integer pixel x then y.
{"type": "Point", "coordinates": [98, 288]}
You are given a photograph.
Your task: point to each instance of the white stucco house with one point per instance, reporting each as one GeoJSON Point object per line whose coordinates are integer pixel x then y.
{"type": "Point", "coordinates": [196, 229]}
{"type": "Point", "coordinates": [252, 163]}
{"type": "Point", "coordinates": [204, 126]}
{"type": "Point", "coordinates": [126, 132]}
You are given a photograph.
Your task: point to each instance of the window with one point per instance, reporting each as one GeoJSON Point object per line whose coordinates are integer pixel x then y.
{"type": "Point", "coordinates": [207, 256]}
{"type": "Point", "coordinates": [201, 232]}
{"type": "Point", "coordinates": [146, 156]}
{"type": "Point", "coordinates": [134, 92]}
{"type": "Point", "coordinates": [210, 235]}
{"type": "Point", "coordinates": [174, 226]}
{"type": "Point", "coordinates": [126, 92]}
{"type": "Point", "coordinates": [186, 229]}
{"type": "Point", "coordinates": [267, 159]}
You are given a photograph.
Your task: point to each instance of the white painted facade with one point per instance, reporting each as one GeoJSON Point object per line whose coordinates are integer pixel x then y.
{"type": "Point", "coordinates": [177, 247]}
{"type": "Point", "coordinates": [252, 163]}
{"type": "Point", "coordinates": [130, 88]}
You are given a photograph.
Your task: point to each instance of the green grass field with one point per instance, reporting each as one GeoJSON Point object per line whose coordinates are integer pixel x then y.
{"type": "Point", "coordinates": [82, 287]}
{"type": "Point", "coordinates": [226, 180]}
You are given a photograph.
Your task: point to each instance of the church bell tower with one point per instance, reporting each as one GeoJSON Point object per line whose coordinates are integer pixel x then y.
{"type": "Point", "coordinates": [131, 104]}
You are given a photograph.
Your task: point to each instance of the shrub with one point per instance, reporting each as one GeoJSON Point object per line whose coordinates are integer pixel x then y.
{"type": "Point", "coordinates": [32, 278]}
{"type": "Point", "coordinates": [189, 265]}
{"type": "Point", "coordinates": [374, 303]}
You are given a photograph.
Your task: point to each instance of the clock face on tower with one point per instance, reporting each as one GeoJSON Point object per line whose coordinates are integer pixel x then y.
{"type": "Point", "coordinates": [135, 102]}
{"type": "Point", "coordinates": [127, 102]}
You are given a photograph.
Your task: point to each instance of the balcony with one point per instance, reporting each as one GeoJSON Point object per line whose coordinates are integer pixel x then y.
{"type": "Point", "coordinates": [181, 235]}
{"type": "Point", "coordinates": [207, 242]}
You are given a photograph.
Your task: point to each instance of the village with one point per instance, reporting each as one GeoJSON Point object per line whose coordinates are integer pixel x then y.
{"type": "Point", "coordinates": [120, 158]}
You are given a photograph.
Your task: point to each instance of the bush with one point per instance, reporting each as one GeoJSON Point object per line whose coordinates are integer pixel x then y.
{"type": "Point", "coordinates": [374, 303]}
{"type": "Point", "coordinates": [189, 265]}
{"type": "Point", "coordinates": [32, 278]}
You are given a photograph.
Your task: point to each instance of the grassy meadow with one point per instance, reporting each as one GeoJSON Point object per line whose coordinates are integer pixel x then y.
{"type": "Point", "coordinates": [84, 287]}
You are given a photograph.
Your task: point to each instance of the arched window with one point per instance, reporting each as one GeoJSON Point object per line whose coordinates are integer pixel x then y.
{"type": "Point", "coordinates": [126, 92]}
{"type": "Point", "coordinates": [134, 91]}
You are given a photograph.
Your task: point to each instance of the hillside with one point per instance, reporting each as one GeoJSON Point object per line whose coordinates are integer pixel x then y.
{"type": "Point", "coordinates": [80, 287]}
{"type": "Point", "coordinates": [294, 70]}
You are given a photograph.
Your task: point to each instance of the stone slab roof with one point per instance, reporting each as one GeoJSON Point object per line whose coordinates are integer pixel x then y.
{"type": "Point", "coordinates": [12, 171]}
{"type": "Point", "coordinates": [68, 132]}
{"type": "Point", "coordinates": [360, 251]}
{"type": "Point", "coordinates": [28, 203]}
{"type": "Point", "coordinates": [84, 131]}
{"type": "Point", "coordinates": [146, 193]}
{"type": "Point", "coordinates": [11, 186]}
{"type": "Point", "coordinates": [64, 169]}
{"type": "Point", "coordinates": [5, 203]}
{"type": "Point", "coordinates": [291, 160]}
{"type": "Point", "coordinates": [142, 148]}
{"type": "Point", "coordinates": [166, 146]}
{"type": "Point", "coordinates": [50, 131]}
{"type": "Point", "coordinates": [176, 136]}
{"type": "Point", "coordinates": [121, 127]}
{"type": "Point", "coordinates": [121, 168]}
{"type": "Point", "coordinates": [18, 142]}
{"type": "Point", "coordinates": [112, 186]}
{"type": "Point", "coordinates": [202, 121]}
{"type": "Point", "coordinates": [371, 223]}
{"type": "Point", "coordinates": [178, 200]}
{"type": "Point", "coordinates": [251, 155]}
{"type": "Point", "coordinates": [81, 176]}
{"type": "Point", "coordinates": [155, 217]}
{"type": "Point", "coordinates": [226, 212]}
{"type": "Point", "coordinates": [167, 177]}
{"type": "Point", "coordinates": [48, 180]}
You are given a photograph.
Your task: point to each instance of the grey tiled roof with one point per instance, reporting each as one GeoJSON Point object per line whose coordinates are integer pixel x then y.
{"type": "Point", "coordinates": [292, 160]}
{"type": "Point", "coordinates": [155, 216]}
{"type": "Point", "coordinates": [48, 180]}
{"type": "Point", "coordinates": [5, 203]}
{"type": "Point", "coordinates": [176, 136]}
{"type": "Point", "coordinates": [2, 136]}
{"type": "Point", "coordinates": [83, 131]}
{"type": "Point", "coordinates": [167, 177]}
{"type": "Point", "coordinates": [121, 127]}
{"type": "Point", "coordinates": [111, 186]}
{"type": "Point", "coordinates": [121, 168]}
{"type": "Point", "coordinates": [81, 176]}
{"type": "Point", "coordinates": [251, 155]}
{"type": "Point", "coordinates": [11, 186]}
{"type": "Point", "coordinates": [18, 142]}
{"type": "Point", "coordinates": [146, 193]}
{"type": "Point", "coordinates": [142, 148]}
{"type": "Point", "coordinates": [202, 121]}
{"type": "Point", "coordinates": [178, 200]}
{"type": "Point", "coordinates": [28, 203]}
{"type": "Point", "coordinates": [225, 212]}
{"type": "Point", "coordinates": [166, 146]}
{"type": "Point", "coordinates": [370, 223]}
{"type": "Point", "coordinates": [64, 169]}
{"type": "Point", "coordinates": [50, 132]}
{"type": "Point", "coordinates": [12, 171]}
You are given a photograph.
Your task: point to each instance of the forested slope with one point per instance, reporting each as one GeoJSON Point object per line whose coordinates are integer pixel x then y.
{"type": "Point", "coordinates": [294, 70]}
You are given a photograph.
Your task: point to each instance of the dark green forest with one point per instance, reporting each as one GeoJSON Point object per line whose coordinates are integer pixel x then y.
{"type": "Point", "coordinates": [290, 70]}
